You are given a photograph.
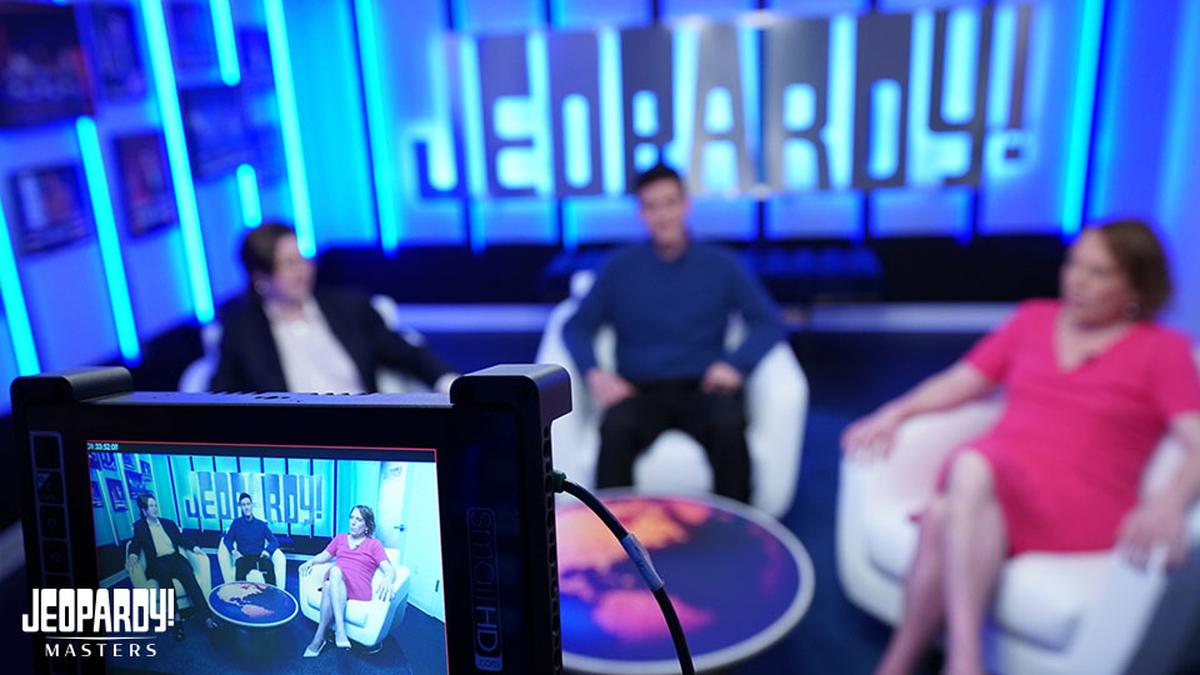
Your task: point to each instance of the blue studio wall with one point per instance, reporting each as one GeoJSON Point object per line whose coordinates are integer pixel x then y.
{"type": "Point", "coordinates": [476, 123]}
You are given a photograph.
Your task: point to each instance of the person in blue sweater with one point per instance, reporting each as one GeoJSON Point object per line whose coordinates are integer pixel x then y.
{"type": "Point", "coordinates": [669, 302]}
{"type": "Point", "coordinates": [254, 542]}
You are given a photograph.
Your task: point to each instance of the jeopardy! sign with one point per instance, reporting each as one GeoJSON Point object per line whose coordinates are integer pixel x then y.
{"type": "Point", "coordinates": [766, 104]}
{"type": "Point", "coordinates": [282, 498]}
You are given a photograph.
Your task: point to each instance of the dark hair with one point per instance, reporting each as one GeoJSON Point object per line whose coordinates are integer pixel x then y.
{"type": "Point", "coordinates": [258, 247]}
{"type": "Point", "coordinates": [143, 501]}
{"type": "Point", "coordinates": [244, 495]}
{"type": "Point", "coordinates": [654, 174]}
{"type": "Point", "coordinates": [368, 517]}
{"type": "Point", "coordinates": [1140, 255]}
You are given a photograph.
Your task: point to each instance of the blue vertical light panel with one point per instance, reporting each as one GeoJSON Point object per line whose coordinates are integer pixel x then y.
{"type": "Point", "coordinates": [289, 122]}
{"type": "Point", "coordinates": [14, 305]}
{"type": "Point", "coordinates": [386, 196]}
{"type": "Point", "coordinates": [227, 57]}
{"type": "Point", "coordinates": [247, 180]}
{"type": "Point", "coordinates": [1075, 182]}
{"type": "Point", "coordinates": [163, 70]}
{"type": "Point", "coordinates": [1185, 106]}
{"type": "Point", "coordinates": [110, 242]}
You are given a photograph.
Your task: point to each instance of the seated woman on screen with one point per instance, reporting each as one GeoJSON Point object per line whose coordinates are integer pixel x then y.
{"type": "Point", "coordinates": [357, 555]}
{"type": "Point", "coordinates": [1092, 384]}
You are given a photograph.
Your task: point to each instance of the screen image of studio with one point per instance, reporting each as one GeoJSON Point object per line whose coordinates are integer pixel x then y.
{"type": "Point", "coordinates": [244, 521]}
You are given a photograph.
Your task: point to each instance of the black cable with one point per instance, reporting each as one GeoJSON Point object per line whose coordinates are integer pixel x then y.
{"type": "Point", "coordinates": [641, 558]}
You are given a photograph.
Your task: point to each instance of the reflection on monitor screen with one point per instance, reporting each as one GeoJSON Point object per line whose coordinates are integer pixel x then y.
{"type": "Point", "coordinates": [273, 549]}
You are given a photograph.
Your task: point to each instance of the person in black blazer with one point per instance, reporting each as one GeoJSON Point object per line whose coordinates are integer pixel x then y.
{"type": "Point", "coordinates": [162, 543]}
{"type": "Point", "coordinates": [335, 340]}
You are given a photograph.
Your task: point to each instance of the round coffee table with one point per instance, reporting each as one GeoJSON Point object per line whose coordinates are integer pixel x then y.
{"type": "Point", "coordinates": [247, 604]}
{"type": "Point", "coordinates": [739, 581]}
{"type": "Point", "coordinates": [255, 615]}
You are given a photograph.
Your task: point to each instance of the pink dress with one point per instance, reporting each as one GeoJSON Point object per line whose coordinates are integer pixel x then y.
{"type": "Point", "coordinates": [358, 565]}
{"type": "Point", "coordinates": [1069, 450]}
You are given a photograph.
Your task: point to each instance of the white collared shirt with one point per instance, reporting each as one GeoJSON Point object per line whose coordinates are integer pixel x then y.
{"type": "Point", "coordinates": [162, 541]}
{"type": "Point", "coordinates": [313, 359]}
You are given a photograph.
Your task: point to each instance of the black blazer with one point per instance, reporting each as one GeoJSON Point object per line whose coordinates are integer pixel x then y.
{"type": "Point", "coordinates": [250, 360]}
{"type": "Point", "coordinates": [143, 543]}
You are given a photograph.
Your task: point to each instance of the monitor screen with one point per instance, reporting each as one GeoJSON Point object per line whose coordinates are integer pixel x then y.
{"type": "Point", "coordinates": [245, 522]}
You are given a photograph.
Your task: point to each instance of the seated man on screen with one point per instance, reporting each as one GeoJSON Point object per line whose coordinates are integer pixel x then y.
{"type": "Point", "coordinates": [285, 336]}
{"type": "Point", "coordinates": [162, 542]}
{"type": "Point", "coordinates": [669, 302]}
{"type": "Point", "coordinates": [251, 543]}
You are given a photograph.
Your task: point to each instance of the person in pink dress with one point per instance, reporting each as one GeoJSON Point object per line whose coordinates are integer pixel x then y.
{"type": "Point", "coordinates": [1092, 386]}
{"type": "Point", "coordinates": [357, 556]}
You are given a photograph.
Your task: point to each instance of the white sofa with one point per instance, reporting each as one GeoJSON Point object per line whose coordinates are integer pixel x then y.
{"type": "Point", "coordinates": [776, 405]}
{"type": "Point", "coordinates": [225, 561]}
{"type": "Point", "coordinates": [367, 621]}
{"type": "Point", "coordinates": [200, 566]}
{"type": "Point", "coordinates": [1054, 614]}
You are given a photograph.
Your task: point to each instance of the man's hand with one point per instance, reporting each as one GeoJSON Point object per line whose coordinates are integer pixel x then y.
{"type": "Point", "coordinates": [608, 388]}
{"type": "Point", "coordinates": [264, 554]}
{"type": "Point", "coordinates": [1155, 524]}
{"type": "Point", "coordinates": [721, 378]}
{"type": "Point", "coordinates": [131, 560]}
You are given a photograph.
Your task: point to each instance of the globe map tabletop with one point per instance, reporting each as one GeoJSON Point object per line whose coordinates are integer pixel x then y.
{"type": "Point", "coordinates": [739, 581]}
{"type": "Point", "coordinates": [252, 604]}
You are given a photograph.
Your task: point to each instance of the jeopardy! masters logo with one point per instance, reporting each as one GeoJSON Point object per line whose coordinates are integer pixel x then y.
{"type": "Point", "coordinates": [116, 622]}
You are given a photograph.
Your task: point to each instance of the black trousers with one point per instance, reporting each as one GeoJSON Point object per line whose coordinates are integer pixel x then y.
{"type": "Point", "coordinates": [716, 421]}
{"type": "Point", "coordinates": [244, 564]}
{"type": "Point", "coordinates": [175, 566]}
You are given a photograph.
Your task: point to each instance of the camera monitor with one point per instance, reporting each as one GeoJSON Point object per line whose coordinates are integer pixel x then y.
{"type": "Point", "coordinates": [217, 533]}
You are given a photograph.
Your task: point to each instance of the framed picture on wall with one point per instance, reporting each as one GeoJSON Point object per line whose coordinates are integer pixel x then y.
{"type": "Point", "coordinates": [129, 462]}
{"type": "Point", "coordinates": [97, 493]}
{"type": "Point", "coordinates": [134, 482]}
{"type": "Point", "coordinates": [116, 494]}
{"type": "Point", "coordinates": [193, 40]}
{"type": "Point", "coordinates": [254, 55]}
{"type": "Point", "coordinates": [145, 468]}
{"type": "Point", "coordinates": [42, 73]}
{"type": "Point", "coordinates": [146, 187]}
{"type": "Point", "coordinates": [112, 45]}
{"type": "Point", "coordinates": [108, 461]}
{"type": "Point", "coordinates": [217, 135]}
{"type": "Point", "coordinates": [52, 206]}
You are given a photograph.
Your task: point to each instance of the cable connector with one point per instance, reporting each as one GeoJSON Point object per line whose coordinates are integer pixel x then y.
{"type": "Point", "coordinates": [559, 479]}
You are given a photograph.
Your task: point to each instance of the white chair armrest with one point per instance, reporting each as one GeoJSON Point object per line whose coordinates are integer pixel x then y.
{"type": "Point", "coordinates": [776, 406]}
{"type": "Point", "coordinates": [909, 473]}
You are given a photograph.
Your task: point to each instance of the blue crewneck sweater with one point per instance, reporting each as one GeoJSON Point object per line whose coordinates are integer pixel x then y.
{"type": "Point", "coordinates": [250, 536]}
{"type": "Point", "coordinates": [670, 317]}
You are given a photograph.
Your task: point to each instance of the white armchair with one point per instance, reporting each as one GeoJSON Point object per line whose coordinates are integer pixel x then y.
{"type": "Point", "coordinates": [1053, 614]}
{"type": "Point", "coordinates": [776, 405]}
{"type": "Point", "coordinates": [200, 566]}
{"type": "Point", "coordinates": [368, 622]}
{"type": "Point", "coordinates": [225, 561]}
